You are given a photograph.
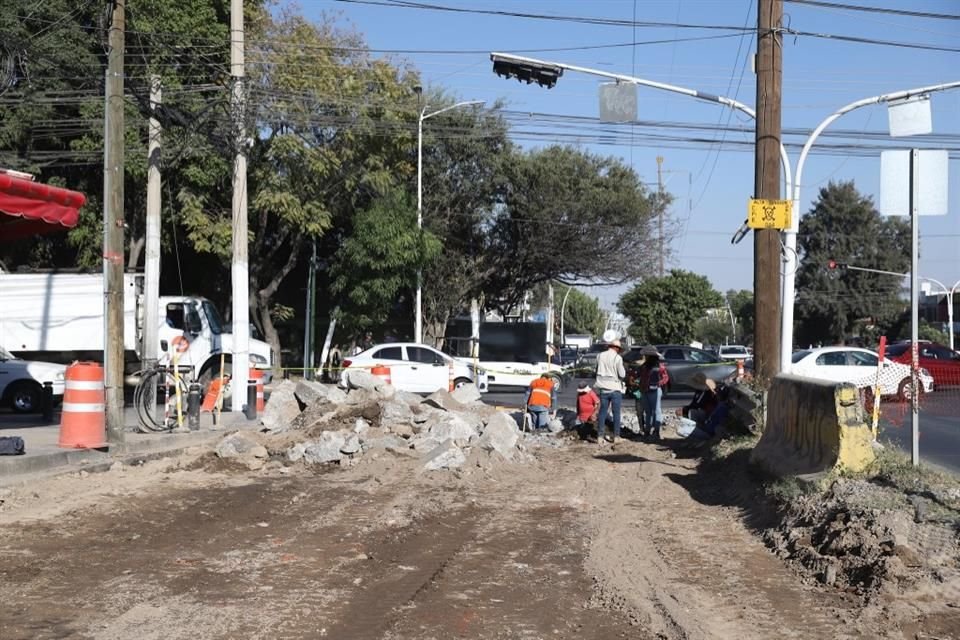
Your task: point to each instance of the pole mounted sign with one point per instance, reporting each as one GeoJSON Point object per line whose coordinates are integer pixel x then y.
{"type": "Point", "coordinates": [768, 214]}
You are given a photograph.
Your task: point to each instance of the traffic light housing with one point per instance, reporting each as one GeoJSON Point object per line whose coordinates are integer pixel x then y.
{"type": "Point", "coordinates": [833, 265]}
{"type": "Point", "coordinates": [545, 75]}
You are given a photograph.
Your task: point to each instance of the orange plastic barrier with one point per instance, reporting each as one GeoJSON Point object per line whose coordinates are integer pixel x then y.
{"type": "Point", "coordinates": [257, 374]}
{"type": "Point", "coordinates": [82, 423]}
{"type": "Point", "coordinates": [382, 372]}
{"type": "Point", "coordinates": [451, 385]}
{"type": "Point", "coordinates": [213, 391]}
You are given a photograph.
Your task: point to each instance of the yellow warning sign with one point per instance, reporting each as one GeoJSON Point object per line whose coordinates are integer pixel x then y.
{"type": "Point", "coordinates": [768, 214]}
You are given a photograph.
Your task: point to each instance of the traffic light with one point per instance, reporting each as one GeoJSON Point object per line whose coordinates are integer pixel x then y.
{"type": "Point", "coordinates": [506, 66]}
{"type": "Point", "coordinates": [833, 264]}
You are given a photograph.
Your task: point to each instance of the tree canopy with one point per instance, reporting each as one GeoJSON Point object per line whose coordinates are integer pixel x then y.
{"type": "Point", "coordinates": [666, 310]}
{"type": "Point", "coordinates": [845, 227]}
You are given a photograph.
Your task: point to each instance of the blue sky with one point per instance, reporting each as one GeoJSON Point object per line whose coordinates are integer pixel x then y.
{"type": "Point", "coordinates": [712, 180]}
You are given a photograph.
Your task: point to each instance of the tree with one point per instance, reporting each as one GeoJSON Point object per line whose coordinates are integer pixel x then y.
{"type": "Point", "coordinates": [569, 216]}
{"type": "Point", "coordinates": [581, 314]}
{"type": "Point", "coordinates": [742, 307]}
{"type": "Point", "coordinates": [714, 329]}
{"type": "Point", "coordinates": [378, 261]}
{"type": "Point", "coordinates": [666, 310]}
{"type": "Point", "coordinates": [844, 226]}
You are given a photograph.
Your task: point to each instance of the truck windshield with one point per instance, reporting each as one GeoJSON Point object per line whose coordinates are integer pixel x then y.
{"type": "Point", "coordinates": [5, 355]}
{"type": "Point", "coordinates": [213, 317]}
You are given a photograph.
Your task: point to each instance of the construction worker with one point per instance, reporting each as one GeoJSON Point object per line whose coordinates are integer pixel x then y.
{"type": "Point", "coordinates": [541, 396]}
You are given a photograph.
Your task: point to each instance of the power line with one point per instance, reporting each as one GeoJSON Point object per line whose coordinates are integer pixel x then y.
{"type": "Point", "coordinates": [872, 9]}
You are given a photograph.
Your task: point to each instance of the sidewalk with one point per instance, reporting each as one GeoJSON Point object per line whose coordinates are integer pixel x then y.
{"type": "Point", "coordinates": [44, 457]}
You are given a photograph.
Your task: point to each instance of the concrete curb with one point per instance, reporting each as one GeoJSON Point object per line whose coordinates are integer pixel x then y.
{"type": "Point", "coordinates": [18, 469]}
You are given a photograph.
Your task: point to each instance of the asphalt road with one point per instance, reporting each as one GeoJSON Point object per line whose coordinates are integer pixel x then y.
{"type": "Point", "coordinates": [939, 428]}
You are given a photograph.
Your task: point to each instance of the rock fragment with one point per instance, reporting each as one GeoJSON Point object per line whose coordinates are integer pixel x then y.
{"type": "Point", "coordinates": [446, 455]}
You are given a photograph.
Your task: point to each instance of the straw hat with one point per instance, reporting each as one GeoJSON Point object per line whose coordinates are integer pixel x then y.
{"type": "Point", "coordinates": [701, 381]}
{"type": "Point", "coordinates": [615, 343]}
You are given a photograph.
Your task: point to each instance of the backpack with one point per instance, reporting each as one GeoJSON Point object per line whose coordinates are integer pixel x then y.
{"type": "Point", "coordinates": [12, 446]}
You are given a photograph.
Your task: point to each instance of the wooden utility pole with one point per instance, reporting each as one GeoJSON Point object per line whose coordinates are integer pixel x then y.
{"type": "Point", "coordinates": [766, 252]}
{"type": "Point", "coordinates": [151, 294]}
{"type": "Point", "coordinates": [661, 206]}
{"type": "Point", "coordinates": [113, 242]}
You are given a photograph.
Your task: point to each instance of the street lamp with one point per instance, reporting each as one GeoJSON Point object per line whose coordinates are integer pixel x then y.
{"type": "Point", "coordinates": [418, 321]}
{"type": "Point", "coordinates": [790, 260]}
{"type": "Point", "coordinates": [949, 293]}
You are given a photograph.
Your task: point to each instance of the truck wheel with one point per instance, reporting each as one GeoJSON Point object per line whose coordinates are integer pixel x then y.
{"type": "Point", "coordinates": [557, 383]}
{"type": "Point", "coordinates": [461, 382]}
{"type": "Point", "coordinates": [25, 397]}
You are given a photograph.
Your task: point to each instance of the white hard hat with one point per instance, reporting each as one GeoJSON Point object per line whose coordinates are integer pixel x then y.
{"type": "Point", "coordinates": [609, 335]}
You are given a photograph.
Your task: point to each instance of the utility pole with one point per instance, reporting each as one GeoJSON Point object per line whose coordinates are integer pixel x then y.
{"type": "Point", "coordinates": [151, 294]}
{"type": "Point", "coordinates": [113, 245]}
{"type": "Point", "coordinates": [310, 315]}
{"type": "Point", "coordinates": [239, 267]}
{"type": "Point", "coordinates": [766, 252]}
{"type": "Point", "coordinates": [660, 206]}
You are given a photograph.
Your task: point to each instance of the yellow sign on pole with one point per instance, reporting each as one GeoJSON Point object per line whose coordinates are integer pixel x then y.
{"type": "Point", "coordinates": [768, 214]}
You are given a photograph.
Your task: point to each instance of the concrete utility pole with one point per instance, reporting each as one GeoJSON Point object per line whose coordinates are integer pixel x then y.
{"type": "Point", "coordinates": [661, 206]}
{"type": "Point", "coordinates": [113, 244]}
{"type": "Point", "coordinates": [239, 268]}
{"type": "Point", "coordinates": [766, 252]}
{"type": "Point", "coordinates": [151, 294]}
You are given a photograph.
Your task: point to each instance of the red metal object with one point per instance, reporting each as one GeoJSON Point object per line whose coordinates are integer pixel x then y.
{"type": "Point", "coordinates": [36, 207]}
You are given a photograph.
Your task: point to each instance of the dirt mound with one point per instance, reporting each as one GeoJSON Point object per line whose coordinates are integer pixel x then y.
{"type": "Point", "coordinates": [869, 536]}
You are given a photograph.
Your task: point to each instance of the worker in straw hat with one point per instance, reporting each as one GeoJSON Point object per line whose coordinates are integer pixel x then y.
{"type": "Point", "coordinates": [610, 376]}
{"type": "Point", "coordinates": [704, 399]}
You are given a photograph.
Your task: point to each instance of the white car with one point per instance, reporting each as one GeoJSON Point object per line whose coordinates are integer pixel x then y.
{"type": "Point", "coordinates": [733, 352]}
{"type": "Point", "coordinates": [418, 368]}
{"type": "Point", "coordinates": [21, 382]}
{"type": "Point", "coordinates": [859, 367]}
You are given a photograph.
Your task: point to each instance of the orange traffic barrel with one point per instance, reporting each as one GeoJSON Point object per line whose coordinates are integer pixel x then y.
{"type": "Point", "coordinates": [256, 375]}
{"type": "Point", "coordinates": [82, 423]}
{"type": "Point", "coordinates": [382, 372]}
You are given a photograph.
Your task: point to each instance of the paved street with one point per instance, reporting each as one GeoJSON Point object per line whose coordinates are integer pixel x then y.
{"type": "Point", "coordinates": [939, 428]}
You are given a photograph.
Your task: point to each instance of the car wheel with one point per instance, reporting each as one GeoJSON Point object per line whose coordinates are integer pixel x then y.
{"type": "Point", "coordinates": [904, 392]}
{"type": "Point", "coordinates": [557, 383]}
{"type": "Point", "coordinates": [25, 397]}
{"type": "Point", "coordinates": [461, 382]}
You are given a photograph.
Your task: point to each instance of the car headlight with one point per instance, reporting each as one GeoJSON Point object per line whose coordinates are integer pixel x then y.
{"type": "Point", "coordinates": [924, 372]}
{"type": "Point", "coordinates": [256, 358]}
{"type": "Point", "coordinates": [59, 375]}
{"type": "Point", "coordinates": [481, 371]}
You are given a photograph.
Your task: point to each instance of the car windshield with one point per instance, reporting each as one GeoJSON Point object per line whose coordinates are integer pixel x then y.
{"type": "Point", "coordinates": [897, 349]}
{"type": "Point", "coordinates": [732, 349]}
{"type": "Point", "coordinates": [5, 355]}
{"type": "Point", "coordinates": [213, 317]}
{"type": "Point", "coordinates": [798, 356]}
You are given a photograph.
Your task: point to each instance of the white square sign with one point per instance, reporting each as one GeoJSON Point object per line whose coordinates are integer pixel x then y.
{"type": "Point", "coordinates": [931, 187]}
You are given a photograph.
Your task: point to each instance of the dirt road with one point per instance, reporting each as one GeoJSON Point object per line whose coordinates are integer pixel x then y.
{"type": "Point", "coordinates": [577, 543]}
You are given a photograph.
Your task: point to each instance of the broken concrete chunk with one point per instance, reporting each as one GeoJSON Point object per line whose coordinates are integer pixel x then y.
{"type": "Point", "coordinates": [452, 427]}
{"type": "Point", "coordinates": [500, 435]}
{"type": "Point", "coordinates": [281, 408]}
{"type": "Point", "coordinates": [402, 430]}
{"type": "Point", "coordinates": [393, 413]}
{"type": "Point", "coordinates": [351, 444]}
{"type": "Point", "coordinates": [466, 394]}
{"type": "Point", "coordinates": [361, 426]}
{"type": "Point", "coordinates": [236, 445]}
{"type": "Point", "coordinates": [359, 379]}
{"type": "Point", "coordinates": [447, 455]}
{"type": "Point", "coordinates": [295, 453]}
{"type": "Point", "coordinates": [388, 443]}
{"type": "Point", "coordinates": [310, 393]}
{"type": "Point", "coordinates": [555, 425]}
{"type": "Point", "coordinates": [325, 449]}
{"type": "Point", "coordinates": [443, 400]}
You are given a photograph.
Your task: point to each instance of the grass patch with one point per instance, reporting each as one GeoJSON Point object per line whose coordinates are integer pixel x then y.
{"type": "Point", "coordinates": [894, 468]}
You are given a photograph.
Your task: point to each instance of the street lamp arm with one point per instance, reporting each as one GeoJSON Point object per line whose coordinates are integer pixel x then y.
{"type": "Point", "coordinates": [424, 115]}
{"type": "Point", "coordinates": [790, 259]}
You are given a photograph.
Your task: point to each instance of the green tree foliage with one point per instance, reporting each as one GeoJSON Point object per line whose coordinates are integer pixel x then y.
{"type": "Point", "coordinates": [379, 260]}
{"type": "Point", "coordinates": [464, 151]}
{"type": "Point", "coordinates": [714, 329]}
{"type": "Point", "coordinates": [844, 226]}
{"type": "Point", "coordinates": [666, 310]}
{"type": "Point", "coordinates": [741, 304]}
{"type": "Point", "coordinates": [570, 216]}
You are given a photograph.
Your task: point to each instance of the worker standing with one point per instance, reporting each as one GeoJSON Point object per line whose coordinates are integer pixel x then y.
{"type": "Point", "coordinates": [610, 377]}
{"type": "Point", "coordinates": [541, 396]}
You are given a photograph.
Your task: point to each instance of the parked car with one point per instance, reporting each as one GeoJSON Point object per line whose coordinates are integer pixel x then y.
{"type": "Point", "coordinates": [21, 382]}
{"type": "Point", "coordinates": [942, 363]}
{"type": "Point", "coordinates": [418, 368]}
{"type": "Point", "coordinates": [683, 362]}
{"type": "Point", "coordinates": [858, 366]}
{"type": "Point", "coordinates": [733, 352]}
{"type": "Point", "coordinates": [565, 357]}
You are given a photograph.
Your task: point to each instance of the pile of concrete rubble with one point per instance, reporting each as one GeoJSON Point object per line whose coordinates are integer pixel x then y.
{"type": "Point", "coordinates": [313, 423]}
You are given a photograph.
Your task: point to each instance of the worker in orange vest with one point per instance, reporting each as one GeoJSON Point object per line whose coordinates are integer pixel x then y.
{"type": "Point", "coordinates": [541, 395]}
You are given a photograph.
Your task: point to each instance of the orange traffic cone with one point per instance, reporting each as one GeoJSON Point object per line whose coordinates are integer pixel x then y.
{"type": "Point", "coordinates": [213, 392]}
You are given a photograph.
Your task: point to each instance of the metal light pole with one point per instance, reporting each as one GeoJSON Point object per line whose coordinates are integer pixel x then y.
{"type": "Point", "coordinates": [418, 321]}
{"type": "Point", "coordinates": [790, 235]}
{"type": "Point", "coordinates": [949, 293]}
{"type": "Point", "coordinates": [563, 307]}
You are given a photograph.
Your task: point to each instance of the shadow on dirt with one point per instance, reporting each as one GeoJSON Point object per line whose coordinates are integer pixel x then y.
{"type": "Point", "coordinates": [730, 482]}
{"type": "Point", "coordinates": [626, 458]}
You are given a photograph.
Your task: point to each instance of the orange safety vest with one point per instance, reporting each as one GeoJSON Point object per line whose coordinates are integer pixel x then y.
{"type": "Point", "coordinates": [540, 392]}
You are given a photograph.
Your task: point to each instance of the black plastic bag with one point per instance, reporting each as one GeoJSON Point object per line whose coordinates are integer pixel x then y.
{"type": "Point", "coordinates": [12, 446]}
